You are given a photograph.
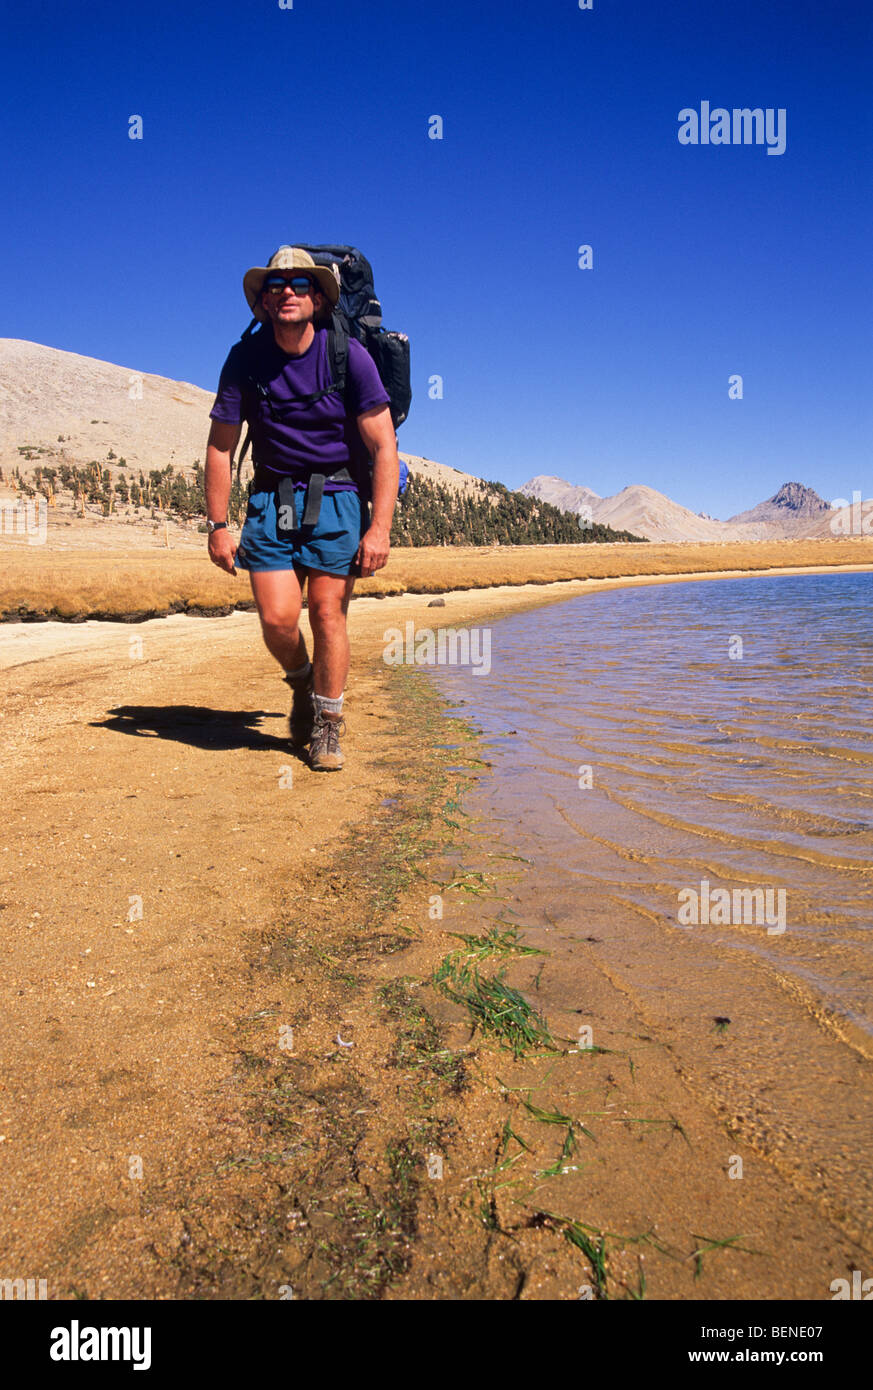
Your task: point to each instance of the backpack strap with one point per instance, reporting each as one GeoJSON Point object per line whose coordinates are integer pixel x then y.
{"type": "Point", "coordinates": [338, 352]}
{"type": "Point", "coordinates": [314, 494]}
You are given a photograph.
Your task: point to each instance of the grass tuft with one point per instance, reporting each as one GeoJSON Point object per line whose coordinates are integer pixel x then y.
{"type": "Point", "coordinates": [496, 1009]}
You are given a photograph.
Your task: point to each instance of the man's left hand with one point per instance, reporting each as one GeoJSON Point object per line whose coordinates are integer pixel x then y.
{"type": "Point", "coordinates": [373, 551]}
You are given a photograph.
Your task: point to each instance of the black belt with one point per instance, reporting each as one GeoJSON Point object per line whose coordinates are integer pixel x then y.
{"type": "Point", "coordinates": [283, 486]}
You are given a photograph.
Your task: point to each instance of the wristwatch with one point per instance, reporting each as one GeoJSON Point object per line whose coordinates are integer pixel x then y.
{"type": "Point", "coordinates": [216, 526]}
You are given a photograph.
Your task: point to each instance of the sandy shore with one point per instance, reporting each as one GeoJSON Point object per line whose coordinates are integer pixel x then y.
{"type": "Point", "coordinates": [196, 929]}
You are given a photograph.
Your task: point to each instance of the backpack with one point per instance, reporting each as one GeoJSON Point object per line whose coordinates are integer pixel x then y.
{"type": "Point", "coordinates": [358, 314]}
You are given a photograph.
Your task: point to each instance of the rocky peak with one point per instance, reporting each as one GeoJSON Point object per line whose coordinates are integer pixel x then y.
{"type": "Point", "coordinates": [802, 501]}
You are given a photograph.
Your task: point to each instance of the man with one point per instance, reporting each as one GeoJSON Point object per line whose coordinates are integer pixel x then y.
{"type": "Point", "coordinates": [306, 442]}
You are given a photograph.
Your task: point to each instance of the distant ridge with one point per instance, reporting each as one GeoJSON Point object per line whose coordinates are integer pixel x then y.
{"type": "Point", "coordinates": [793, 511]}
{"type": "Point", "coordinates": [570, 497]}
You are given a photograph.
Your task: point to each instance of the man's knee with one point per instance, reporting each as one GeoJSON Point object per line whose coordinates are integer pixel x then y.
{"type": "Point", "coordinates": [280, 622]}
{"type": "Point", "coordinates": [327, 614]}
{"type": "Point", "coordinates": [279, 600]}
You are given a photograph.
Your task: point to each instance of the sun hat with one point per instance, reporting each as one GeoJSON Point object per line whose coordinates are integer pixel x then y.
{"type": "Point", "coordinates": [289, 258]}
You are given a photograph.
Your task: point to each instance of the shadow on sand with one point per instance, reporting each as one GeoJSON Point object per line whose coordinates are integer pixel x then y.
{"type": "Point", "coordinates": [198, 726]}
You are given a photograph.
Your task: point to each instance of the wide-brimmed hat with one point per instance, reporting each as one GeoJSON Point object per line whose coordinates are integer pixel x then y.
{"type": "Point", "coordinates": [289, 258]}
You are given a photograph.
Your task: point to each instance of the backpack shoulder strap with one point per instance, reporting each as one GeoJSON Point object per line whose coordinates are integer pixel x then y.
{"type": "Point", "coordinates": [338, 353]}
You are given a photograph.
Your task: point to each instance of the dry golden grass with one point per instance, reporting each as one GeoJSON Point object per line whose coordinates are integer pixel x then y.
{"type": "Point", "coordinates": [38, 580]}
{"type": "Point", "coordinates": [433, 569]}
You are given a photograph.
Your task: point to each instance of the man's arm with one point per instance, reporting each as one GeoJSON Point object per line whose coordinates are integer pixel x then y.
{"type": "Point", "coordinates": [377, 432]}
{"type": "Point", "coordinates": [223, 439]}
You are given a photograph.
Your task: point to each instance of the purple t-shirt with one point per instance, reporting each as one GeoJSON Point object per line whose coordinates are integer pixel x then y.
{"type": "Point", "coordinates": [297, 440]}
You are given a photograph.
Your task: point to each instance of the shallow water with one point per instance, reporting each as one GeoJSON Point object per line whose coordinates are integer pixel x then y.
{"type": "Point", "coordinates": [646, 741]}
{"type": "Point", "coordinates": [751, 771]}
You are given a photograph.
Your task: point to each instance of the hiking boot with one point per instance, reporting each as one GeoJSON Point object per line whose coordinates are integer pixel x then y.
{"type": "Point", "coordinates": [302, 715]}
{"type": "Point", "coordinates": [325, 754]}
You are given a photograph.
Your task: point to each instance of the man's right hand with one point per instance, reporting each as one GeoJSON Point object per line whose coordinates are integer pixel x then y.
{"type": "Point", "coordinates": [222, 550]}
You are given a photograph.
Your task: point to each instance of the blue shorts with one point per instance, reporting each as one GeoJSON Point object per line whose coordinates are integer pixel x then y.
{"type": "Point", "coordinates": [330, 545]}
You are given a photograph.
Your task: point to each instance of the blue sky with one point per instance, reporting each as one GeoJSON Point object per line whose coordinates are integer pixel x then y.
{"type": "Point", "coordinates": [264, 126]}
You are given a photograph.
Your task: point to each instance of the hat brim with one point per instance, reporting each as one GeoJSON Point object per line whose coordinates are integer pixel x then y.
{"type": "Point", "coordinates": [253, 283]}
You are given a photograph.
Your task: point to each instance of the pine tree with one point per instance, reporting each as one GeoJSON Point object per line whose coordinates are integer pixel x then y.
{"type": "Point", "coordinates": [431, 514]}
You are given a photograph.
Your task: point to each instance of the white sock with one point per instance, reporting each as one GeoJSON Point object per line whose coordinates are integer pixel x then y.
{"type": "Point", "coordinates": [303, 670]}
{"type": "Point", "coordinates": [324, 705]}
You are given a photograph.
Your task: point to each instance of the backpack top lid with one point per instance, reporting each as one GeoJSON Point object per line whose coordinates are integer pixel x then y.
{"type": "Point", "coordinates": [358, 300]}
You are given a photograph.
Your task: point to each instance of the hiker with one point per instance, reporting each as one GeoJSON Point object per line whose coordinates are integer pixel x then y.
{"type": "Point", "coordinates": [307, 520]}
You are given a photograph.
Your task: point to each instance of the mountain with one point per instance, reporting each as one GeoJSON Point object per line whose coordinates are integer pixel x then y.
{"type": "Point", "coordinates": [649, 513]}
{"type": "Point", "coordinates": [568, 496]}
{"type": "Point", "coordinates": [793, 511]}
{"type": "Point", "coordinates": [639, 509]}
{"type": "Point", "coordinates": [97, 406]}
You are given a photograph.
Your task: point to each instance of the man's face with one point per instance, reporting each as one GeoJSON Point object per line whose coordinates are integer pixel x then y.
{"type": "Point", "coordinates": [289, 307]}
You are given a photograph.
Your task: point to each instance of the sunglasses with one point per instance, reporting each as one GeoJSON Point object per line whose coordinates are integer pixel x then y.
{"type": "Point", "coordinates": [300, 284]}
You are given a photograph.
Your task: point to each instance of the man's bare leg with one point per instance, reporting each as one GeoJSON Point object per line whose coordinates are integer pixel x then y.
{"type": "Point", "coordinates": [328, 600]}
{"type": "Point", "coordinates": [279, 596]}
